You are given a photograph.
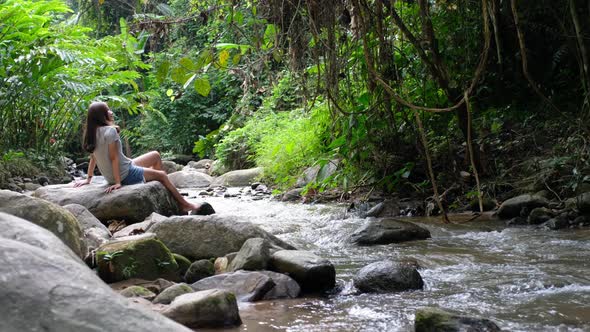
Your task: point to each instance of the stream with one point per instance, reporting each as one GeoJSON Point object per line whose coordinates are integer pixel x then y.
{"type": "Point", "coordinates": [521, 278]}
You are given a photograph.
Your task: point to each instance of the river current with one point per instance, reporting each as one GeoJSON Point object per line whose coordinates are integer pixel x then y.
{"type": "Point", "coordinates": [521, 278]}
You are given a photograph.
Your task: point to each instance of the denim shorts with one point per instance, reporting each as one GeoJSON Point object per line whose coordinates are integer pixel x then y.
{"type": "Point", "coordinates": [134, 176]}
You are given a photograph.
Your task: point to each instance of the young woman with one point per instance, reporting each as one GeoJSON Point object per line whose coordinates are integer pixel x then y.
{"type": "Point", "coordinates": [101, 139]}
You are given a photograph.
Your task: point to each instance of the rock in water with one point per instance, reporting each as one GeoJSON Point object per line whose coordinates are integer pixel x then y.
{"type": "Point", "coordinates": [312, 273]}
{"type": "Point", "coordinates": [130, 203]}
{"type": "Point", "coordinates": [387, 276]}
{"type": "Point", "coordinates": [209, 308]}
{"type": "Point", "coordinates": [436, 320]}
{"type": "Point", "coordinates": [385, 231]}
{"type": "Point", "coordinates": [54, 218]}
{"type": "Point", "coordinates": [45, 291]}
{"type": "Point", "coordinates": [248, 286]}
{"type": "Point", "coordinates": [511, 207]}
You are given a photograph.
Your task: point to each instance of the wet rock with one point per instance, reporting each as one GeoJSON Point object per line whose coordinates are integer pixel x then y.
{"type": "Point", "coordinates": [387, 208]}
{"type": "Point", "coordinates": [95, 233]}
{"type": "Point", "coordinates": [183, 264]}
{"type": "Point", "coordinates": [556, 223]}
{"type": "Point", "coordinates": [254, 255]}
{"type": "Point", "coordinates": [239, 178]}
{"type": "Point", "coordinates": [130, 203]}
{"type": "Point", "coordinates": [539, 216]}
{"type": "Point", "coordinates": [209, 308]}
{"type": "Point", "coordinates": [209, 236]}
{"type": "Point", "coordinates": [190, 179]}
{"type": "Point", "coordinates": [135, 257]}
{"type": "Point", "coordinates": [138, 291]}
{"type": "Point", "coordinates": [583, 203]}
{"type": "Point", "coordinates": [45, 291]}
{"type": "Point", "coordinates": [15, 228]}
{"type": "Point", "coordinates": [386, 277]}
{"type": "Point", "coordinates": [52, 217]}
{"type": "Point", "coordinates": [512, 207]}
{"type": "Point", "coordinates": [387, 231]}
{"type": "Point", "coordinates": [432, 319]}
{"type": "Point", "coordinates": [199, 270]}
{"type": "Point", "coordinates": [311, 272]}
{"type": "Point", "coordinates": [285, 286]}
{"type": "Point", "coordinates": [169, 294]}
{"type": "Point", "coordinates": [248, 286]}
{"type": "Point", "coordinates": [292, 195]}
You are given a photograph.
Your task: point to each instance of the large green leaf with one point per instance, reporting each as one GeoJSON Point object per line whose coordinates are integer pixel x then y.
{"type": "Point", "coordinates": [202, 86]}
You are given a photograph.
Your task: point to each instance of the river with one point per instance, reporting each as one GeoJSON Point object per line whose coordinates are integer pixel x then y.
{"type": "Point", "coordinates": [521, 278]}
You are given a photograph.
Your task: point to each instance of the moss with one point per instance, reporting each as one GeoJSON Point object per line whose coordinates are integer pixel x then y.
{"type": "Point", "coordinates": [183, 263]}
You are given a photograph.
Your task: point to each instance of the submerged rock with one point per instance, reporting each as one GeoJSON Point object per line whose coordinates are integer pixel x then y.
{"type": "Point", "coordinates": [387, 276]}
{"type": "Point", "coordinates": [248, 286]}
{"type": "Point", "coordinates": [54, 218]}
{"type": "Point", "coordinates": [312, 273]}
{"type": "Point", "coordinates": [204, 237]}
{"type": "Point", "coordinates": [436, 320]}
{"type": "Point", "coordinates": [130, 203]}
{"type": "Point", "coordinates": [512, 207]}
{"type": "Point", "coordinates": [209, 308]}
{"type": "Point", "coordinates": [385, 231]}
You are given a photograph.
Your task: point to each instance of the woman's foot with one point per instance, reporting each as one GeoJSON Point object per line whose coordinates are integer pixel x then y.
{"type": "Point", "coordinates": [202, 209]}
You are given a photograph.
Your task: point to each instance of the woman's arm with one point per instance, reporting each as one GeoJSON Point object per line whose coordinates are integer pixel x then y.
{"type": "Point", "coordinates": [91, 166]}
{"type": "Point", "coordinates": [114, 157]}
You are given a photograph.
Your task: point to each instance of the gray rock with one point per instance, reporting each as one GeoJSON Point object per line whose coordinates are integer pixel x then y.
{"type": "Point", "coordinates": [138, 291]}
{"type": "Point", "coordinates": [248, 286]}
{"type": "Point", "coordinates": [210, 308]}
{"type": "Point", "coordinates": [44, 291]}
{"type": "Point", "coordinates": [170, 167]}
{"type": "Point", "coordinates": [292, 195]}
{"type": "Point", "coordinates": [387, 208]}
{"type": "Point", "coordinates": [432, 319]}
{"type": "Point", "coordinates": [29, 186]}
{"type": "Point", "coordinates": [254, 255]}
{"type": "Point", "coordinates": [199, 270]}
{"type": "Point", "coordinates": [311, 272]}
{"type": "Point", "coordinates": [130, 203]}
{"type": "Point", "coordinates": [15, 228]}
{"type": "Point", "coordinates": [54, 218]}
{"type": "Point", "coordinates": [190, 179]}
{"type": "Point", "coordinates": [170, 293]}
{"type": "Point", "coordinates": [513, 206]}
{"type": "Point", "coordinates": [198, 237]}
{"type": "Point", "coordinates": [135, 257]}
{"type": "Point", "coordinates": [95, 233]}
{"type": "Point", "coordinates": [285, 286]}
{"type": "Point", "coordinates": [201, 164]}
{"type": "Point", "coordinates": [556, 223]}
{"type": "Point", "coordinates": [385, 231]}
{"type": "Point", "coordinates": [308, 176]}
{"type": "Point", "coordinates": [386, 277]}
{"type": "Point", "coordinates": [239, 178]}
{"type": "Point", "coordinates": [181, 159]}
{"type": "Point", "coordinates": [140, 227]}
{"type": "Point", "coordinates": [539, 215]}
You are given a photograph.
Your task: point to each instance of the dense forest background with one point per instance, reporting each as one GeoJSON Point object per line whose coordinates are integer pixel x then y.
{"type": "Point", "coordinates": [464, 99]}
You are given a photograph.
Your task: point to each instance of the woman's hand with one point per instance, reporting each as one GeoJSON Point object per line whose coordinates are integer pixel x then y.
{"type": "Point", "coordinates": [113, 188]}
{"type": "Point", "coordinates": [81, 183]}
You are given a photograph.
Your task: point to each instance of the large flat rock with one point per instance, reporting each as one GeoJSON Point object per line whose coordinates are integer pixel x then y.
{"type": "Point", "coordinates": [130, 203]}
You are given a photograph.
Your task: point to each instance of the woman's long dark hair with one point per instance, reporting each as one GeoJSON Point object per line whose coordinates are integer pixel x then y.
{"type": "Point", "coordinates": [97, 117]}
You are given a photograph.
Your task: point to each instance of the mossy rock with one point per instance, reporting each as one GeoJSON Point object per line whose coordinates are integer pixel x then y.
{"type": "Point", "coordinates": [144, 257]}
{"type": "Point", "coordinates": [138, 291]}
{"type": "Point", "coordinates": [169, 294]}
{"type": "Point", "coordinates": [183, 263]}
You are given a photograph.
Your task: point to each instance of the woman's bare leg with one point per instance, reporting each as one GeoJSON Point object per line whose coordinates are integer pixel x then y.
{"type": "Point", "coordinates": [151, 159]}
{"type": "Point", "coordinates": [161, 176]}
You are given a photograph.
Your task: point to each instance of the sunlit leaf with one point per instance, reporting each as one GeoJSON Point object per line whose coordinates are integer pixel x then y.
{"type": "Point", "coordinates": [223, 57]}
{"type": "Point", "coordinates": [202, 86]}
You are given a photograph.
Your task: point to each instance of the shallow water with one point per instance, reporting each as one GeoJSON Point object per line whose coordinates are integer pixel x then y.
{"type": "Point", "coordinates": [522, 279]}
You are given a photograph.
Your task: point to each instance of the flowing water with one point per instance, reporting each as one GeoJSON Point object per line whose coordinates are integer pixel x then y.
{"type": "Point", "coordinates": [523, 279]}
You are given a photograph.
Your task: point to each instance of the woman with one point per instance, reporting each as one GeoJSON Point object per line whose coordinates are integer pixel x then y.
{"type": "Point", "coordinates": [101, 139]}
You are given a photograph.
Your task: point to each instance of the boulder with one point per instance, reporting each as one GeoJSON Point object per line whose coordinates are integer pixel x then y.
{"type": "Point", "coordinates": [387, 208]}
{"type": "Point", "coordinates": [44, 291]}
{"type": "Point", "coordinates": [312, 272]}
{"type": "Point", "coordinates": [239, 178]}
{"type": "Point", "coordinates": [386, 277]}
{"type": "Point", "coordinates": [292, 195]}
{"type": "Point", "coordinates": [15, 228]}
{"type": "Point", "coordinates": [170, 293]}
{"type": "Point", "coordinates": [539, 215]}
{"type": "Point", "coordinates": [135, 257]}
{"type": "Point", "coordinates": [556, 223]}
{"type": "Point", "coordinates": [170, 167]}
{"type": "Point", "coordinates": [95, 233]}
{"type": "Point", "coordinates": [583, 203]}
{"type": "Point", "coordinates": [139, 227]}
{"type": "Point", "coordinates": [285, 286]}
{"type": "Point", "coordinates": [201, 164]}
{"type": "Point", "coordinates": [54, 218]}
{"type": "Point", "coordinates": [432, 319]}
{"type": "Point", "coordinates": [254, 255]}
{"type": "Point", "coordinates": [190, 179]}
{"type": "Point", "coordinates": [385, 231]}
{"type": "Point", "coordinates": [209, 308]}
{"type": "Point", "coordinates": [248, 286]}
{"type": "Point", "coordinates": [138, 291]}
{"type": "Point", "coordinates": [513, 206]}
{"type": "Point", "coordinates": [199, 270]}
{"type": "Point", "coordinates": [130, 203]}
{"type": "Point", "coordinates": [198, 237]}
